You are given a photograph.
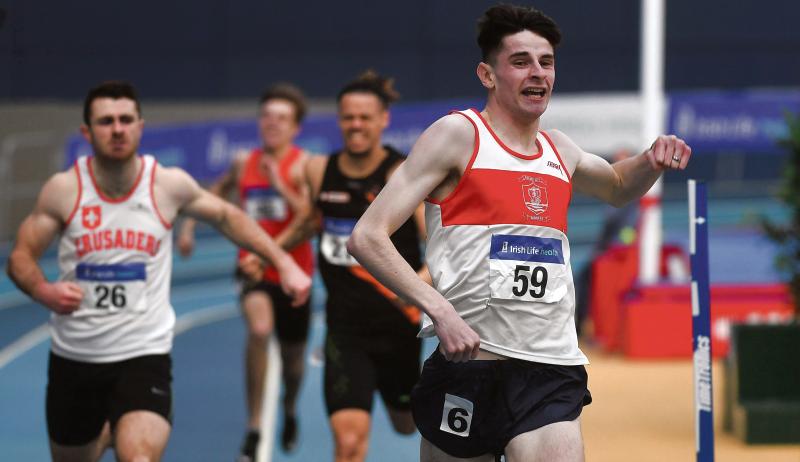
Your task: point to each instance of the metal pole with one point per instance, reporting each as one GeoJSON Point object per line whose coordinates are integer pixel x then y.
{"type": "Point", "coordinates": [701, 322]}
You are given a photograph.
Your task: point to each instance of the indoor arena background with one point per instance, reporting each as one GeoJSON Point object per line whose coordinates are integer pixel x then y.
{"type": "Point", "coordinates": [730, 74]}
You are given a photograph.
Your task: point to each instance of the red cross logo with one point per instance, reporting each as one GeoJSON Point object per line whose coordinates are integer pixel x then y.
{"type": "Point", "coordinates": [90, 216]}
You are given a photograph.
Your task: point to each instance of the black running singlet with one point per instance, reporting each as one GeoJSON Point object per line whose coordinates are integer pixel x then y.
{"type": "Point", "coordinates": [355, 301]}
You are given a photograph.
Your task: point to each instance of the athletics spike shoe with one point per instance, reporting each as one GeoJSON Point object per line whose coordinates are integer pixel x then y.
{"type": "Point", "coordinates": [249, 446]}
{"type": "Point", "coordinates": [289, 434]}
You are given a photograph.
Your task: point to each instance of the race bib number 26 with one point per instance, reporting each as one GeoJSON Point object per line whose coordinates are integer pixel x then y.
{"type": "Point", "coordinates": [526, 268]}
{"type": "Point", "coordinates": [112, 288]}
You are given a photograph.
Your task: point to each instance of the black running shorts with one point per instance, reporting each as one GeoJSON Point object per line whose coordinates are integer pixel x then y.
{"type": "Point", "coordinates": [475, 408]}
{"type": "Point", "coordinates": [291, 322]}
{"type": "Point", "coordinates": [356, 366]}
{"type": "Point", "coordinates": [81, 396]}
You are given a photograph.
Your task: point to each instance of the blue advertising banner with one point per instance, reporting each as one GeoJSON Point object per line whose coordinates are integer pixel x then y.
{"type": "Point", "coordinates": [206, 149]}
{"type": "Point", "coordinates": [746, 121]}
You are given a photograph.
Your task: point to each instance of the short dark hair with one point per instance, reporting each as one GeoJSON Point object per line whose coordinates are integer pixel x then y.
{"type": "Point", "coordinates": [370, 81]}
{"type": "Point", "coordinates": [114, 89]}
{"type": "Point", "coordinates": [290, 93]}
{"type": "Point", "coordinates": [501, 20]}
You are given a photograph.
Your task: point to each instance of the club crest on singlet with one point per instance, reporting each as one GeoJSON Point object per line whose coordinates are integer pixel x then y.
{"type": "Point", "coordinates": [534, 193]}
{"type": "Point", "coordinates": [91, 216]}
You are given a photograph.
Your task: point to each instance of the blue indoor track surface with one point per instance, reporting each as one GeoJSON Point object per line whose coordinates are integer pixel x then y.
{"type": "Point", "coordinates": [209, 415]}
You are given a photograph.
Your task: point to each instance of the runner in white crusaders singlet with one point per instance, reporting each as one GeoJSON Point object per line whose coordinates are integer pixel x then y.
{"type": "Point", "coordinates": [119, 252]}
{"type": "Point", "coordinates": [110, 372]}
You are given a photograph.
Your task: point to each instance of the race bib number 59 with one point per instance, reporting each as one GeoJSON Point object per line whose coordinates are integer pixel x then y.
{"type": "Point", "coordinates": [526, 268]}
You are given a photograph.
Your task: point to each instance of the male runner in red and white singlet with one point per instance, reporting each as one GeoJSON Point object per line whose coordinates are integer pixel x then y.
{"type": "Point", "coordinates": [271, 191]}
{"type": "Point", "coordinates": [508, 376]}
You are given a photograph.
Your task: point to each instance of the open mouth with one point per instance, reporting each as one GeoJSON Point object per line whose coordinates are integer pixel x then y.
{"type": "Point", "coordinates": [536, 92]}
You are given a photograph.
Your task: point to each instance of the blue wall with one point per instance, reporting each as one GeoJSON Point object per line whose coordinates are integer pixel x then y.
{"type": "Point", "coordinates": [221, 49]}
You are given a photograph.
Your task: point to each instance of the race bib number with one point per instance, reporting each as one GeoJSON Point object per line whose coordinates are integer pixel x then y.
{"type": "Point", "coordinates": [112, 288]}
{"type": "Point", "coordinates": [457, 415]}
{"type": "Point", "coordinates": [333, 243]}
{"type": "Point", "coordinates": [526, 268]}
{"type": "Point", "coordinates": [265, 204]}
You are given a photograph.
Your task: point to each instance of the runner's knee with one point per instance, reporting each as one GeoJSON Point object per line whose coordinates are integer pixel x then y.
{"type": "Point", "coordinates": [259, 331]}
{"type": "Point", "coordinates": [350, 444]}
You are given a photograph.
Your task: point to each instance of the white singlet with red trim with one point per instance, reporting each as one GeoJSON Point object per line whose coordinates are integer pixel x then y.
{"type": "Point", "coordinates": [498, 250]}
{"type": "Point", "coordinates": [120, 252]}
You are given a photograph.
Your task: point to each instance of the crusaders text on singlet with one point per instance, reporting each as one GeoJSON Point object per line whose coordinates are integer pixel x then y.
{"type": "Point", "coordinates": [264, 203]}
{"type": "Point", "coordinates": [356, 301]}
{"type": "Point", "coordinates": [498, 250]}
{"type": "Point", "coordinates": [119, 250]}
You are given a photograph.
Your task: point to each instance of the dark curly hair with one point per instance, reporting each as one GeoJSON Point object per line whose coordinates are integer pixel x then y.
{"type": "Point", "coordinates": [371, 82]}
{"type": "Point", "coordinates": [499, 21]}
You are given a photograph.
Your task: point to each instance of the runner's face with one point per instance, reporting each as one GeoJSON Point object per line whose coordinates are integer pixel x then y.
{"type": "Point", "coordinates": [362, 119]}
{"type": "Point", "coordinates": [524, 73]}
{"type": "Point", "coordinates": [114, 129]}
{"type": "Point", "coordinates": [277, 123]}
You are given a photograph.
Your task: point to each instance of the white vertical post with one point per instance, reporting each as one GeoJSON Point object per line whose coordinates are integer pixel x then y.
{"type": "Point", "coordinates": [269, 405]}
{"type": "Point", "coordinates": [653, 109]}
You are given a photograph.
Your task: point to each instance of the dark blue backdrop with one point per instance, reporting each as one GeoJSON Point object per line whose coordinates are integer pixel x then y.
{"type": "Point", "coordinates": [222, 49]}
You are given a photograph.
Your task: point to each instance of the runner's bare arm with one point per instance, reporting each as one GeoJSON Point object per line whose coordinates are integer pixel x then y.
{"type": "Point", "coordinates": [37, 231]}
{"type": "Point", "coordinates": [296, 197]}
{"type": "Point", "coordinates": [441, 150]}
{"type": "Point", "coordinates": [300, 226]}
{"type": "Point", "coordinates": [176, 191]}
{"type": "Point", "coordinates": [422, 234]}
{"type": "Point", "coordinates": [419, 216]}
{"type": "Point", "coordinates": [626, 180]}
{"type": "Point", "coordinates": [306, 221]}
{"type": "Point", "coordinates": [221, 187]}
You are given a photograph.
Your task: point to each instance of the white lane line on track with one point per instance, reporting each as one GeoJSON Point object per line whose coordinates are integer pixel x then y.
{"type": "Point", "coordinates": [203, 316]}
{"type": "Point", "coordinates": [34, 337]}
{"type": "Point", "coordinates": [189, 290]}
{"type": "Point", "coordinates": [269, 405]}
{"type": "Point", "coordinates": [13, 298]}
{"type": "Point", "coordinates": [183, 323]}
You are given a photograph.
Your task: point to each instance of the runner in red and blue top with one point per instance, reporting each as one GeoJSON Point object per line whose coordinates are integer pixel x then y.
{"type": "Point", "coordinates": [271, 191]}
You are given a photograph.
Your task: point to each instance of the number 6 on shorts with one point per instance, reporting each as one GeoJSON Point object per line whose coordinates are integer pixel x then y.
{"type": "Point", "coordinates": [457, 415]}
